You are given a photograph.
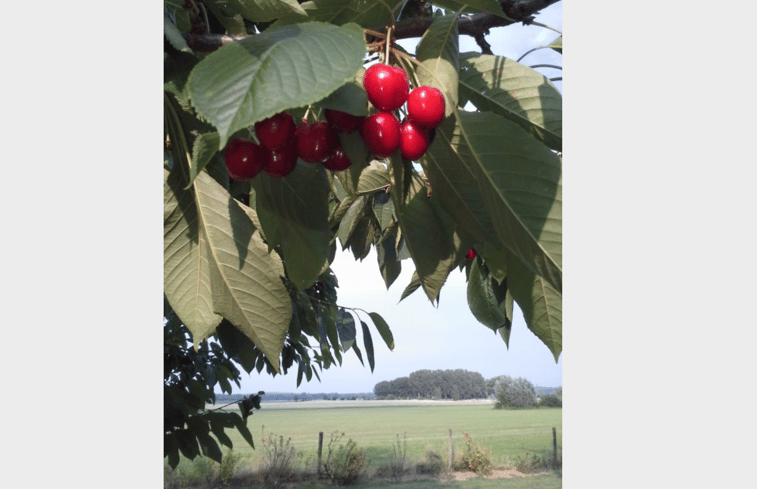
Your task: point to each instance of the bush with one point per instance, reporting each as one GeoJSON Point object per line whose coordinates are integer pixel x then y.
{"type": "Point", "coordinates": [279, 461]}
{"type": "Point", "coordinates": [228, 468]}
{"type": "Point", "coordinates": [345, 464]}
{"type": "Point", "coordinates": [475, 459]}
{"type": "Point", "coordinates": [535, 463]}
{"type": "Point", "coordinates": [433, 465]}
{"type": "Point", "coordinates": [397, 465]}
{"type": "Point", "coordinates": [552, 400]}
{"type": "Point", "coordinates": [514, 393]}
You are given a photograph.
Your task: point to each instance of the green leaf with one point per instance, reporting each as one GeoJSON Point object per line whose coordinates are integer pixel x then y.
{"type": "Point", "coordinates": [482, 299]}
{"type": "Point", "coordinates": [383, 329]}
{"type": "Point", "coordinates": [246, 280]}
{"type": "Point", "coordinates": [431, 246]}
{"type": "Point", "coordinates": [345, 327]}
{"type": "Point", "coordinates": [389, 263]}
{"type": "Point", "coordinates": [556, 45]}
{"type": "Point", "coordinates": [279, 69]}
{"type": "Point", "coordinates": [174, 36]}
{"type": "Point", "coordinates": [350, 220]}
{"type": "Point", "coordinates": [350, 98]}
{"type": "Point", "coordinates": [372, 178]}
{"type": "Point", "coordinates": [415, 284]}
{"type": "Point", "coordinates": [366, 13]}
{"type": "Point", "coordinates": [438, 51]}
{"type": "Point", "coordinates": [209, 446]}
{"type": "Point", "coordinates": [266, 10]}
{"type": "Point", "coordinates": [204, 149]}
{"type": "Point", "coordinates": [229, 19]}
{"type": "Point", "coordinates": [520, 184]}
{"type": "Point", "coordinates": [383, 209]}
{"type": "Point", "coordinates": [293, 214]}
{"type": "Point", "coordinates": [368, 342]}
{"type": "Point", "coordinates": [515, 91]}
{"type": "Point", "coordinates": [540, 303]}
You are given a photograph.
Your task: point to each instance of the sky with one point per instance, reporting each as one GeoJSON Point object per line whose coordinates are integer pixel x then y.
{"type": "Point", "coordinates": [426, 336]}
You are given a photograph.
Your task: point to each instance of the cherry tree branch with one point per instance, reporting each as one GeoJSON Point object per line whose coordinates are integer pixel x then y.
{"type": "Point", "coordinates": [476, 26]}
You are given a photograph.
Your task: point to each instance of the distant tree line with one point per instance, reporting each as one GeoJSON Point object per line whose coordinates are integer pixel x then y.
{"type": "Point", "coordinates": [434, 384]}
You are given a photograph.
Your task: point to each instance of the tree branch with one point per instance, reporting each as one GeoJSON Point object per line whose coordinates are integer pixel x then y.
{"type": "Point", "coordinates": [475, 25]}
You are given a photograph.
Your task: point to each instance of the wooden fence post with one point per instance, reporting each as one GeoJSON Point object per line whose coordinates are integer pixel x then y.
{"type": "Point", "coordinates": [451, 452]}
{"type": "Point", "coordinates": [320, 452]}
{"type": "Point", "coordinates": [554, 445]}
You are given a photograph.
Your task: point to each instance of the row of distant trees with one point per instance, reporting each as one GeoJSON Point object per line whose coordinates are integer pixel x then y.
{"type": "Point", "coordinates": [460, 384]}
{"type": "Point", "coordinates": [434, 384]}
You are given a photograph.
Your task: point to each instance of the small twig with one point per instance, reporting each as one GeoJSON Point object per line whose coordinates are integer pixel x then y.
{"type": "Point", "coordinates": [559, 78]}
{"type": "Point", "coordinates": [546, 66]}
{"type": "Point", "coordinates": [485, 46]}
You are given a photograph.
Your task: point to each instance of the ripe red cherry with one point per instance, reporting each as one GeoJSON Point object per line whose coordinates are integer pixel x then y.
{"type": "Point", "coordinates": [413, 140]}
{"type": "Point", "coordinates": [381, 133]}
{"type": "Point", "coordinates": [315, 142]}
{"type": "Point", "coordinates": [471, 254]}
{"type": "Point", "coordinates": [276, 131]}
{"type": "Point", "coordinates": [386, 86]}
{"type": "Point", "coordinates": [342, 121]}
{"type": "Point", "coordinates": [282, 162]}
{"type": "Point", "coordinates": [338, 160]}
{"type": "Point", "coordinates": [243, 158]}
{"type": "Point", "coordinates": [425, 106]}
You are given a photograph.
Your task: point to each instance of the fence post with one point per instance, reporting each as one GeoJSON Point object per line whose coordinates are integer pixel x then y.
{"type": "Point", "coordinates": [451, 452]}
{"type": "Point", "coordinates": [554, 445]}
{"type": "Point", "coordinates": [320, 451]}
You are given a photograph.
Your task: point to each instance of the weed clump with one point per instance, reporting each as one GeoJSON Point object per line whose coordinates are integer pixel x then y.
{"type": "Point", "coordinates": [474, 458]}
{"type": "Point", "coordinates": [345, 463]}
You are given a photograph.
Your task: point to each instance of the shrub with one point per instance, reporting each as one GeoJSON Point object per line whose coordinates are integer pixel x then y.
{"type": "Point", "coordinates": [536, 463]}
{"type": "Point", "coordinates": [433, 464]}
{"type": "Point", "coordinates": [397, 465]}
{"type": "Point", "coordinates": [552, 400]}
{"type": "Point", "coordinates": [346, 463]}
{"type": "Point", "coordinates": [228, 467]}
{"type": "Point", "coordinates": [514, 393]}
{"type": "Point", "coordinates": [474, 458]}
{"type": "Point", "coordinates": [279, 460]}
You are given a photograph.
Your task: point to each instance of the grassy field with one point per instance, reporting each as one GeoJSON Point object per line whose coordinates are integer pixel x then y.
{"type": "Point", "coordinates": [505, 434]}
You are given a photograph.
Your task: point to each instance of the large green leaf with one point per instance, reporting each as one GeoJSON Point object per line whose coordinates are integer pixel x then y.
{"type": "Point", "coordinates": [279, 69]}
{"type": "Point", "coordinates": [520, 182]}
{"type": "Point", "coordinates": [510, 89]}
{"type": "Point", "coordinates": [266, 10]}
{"type": "Point", "coordinates": [246, 279]}
{"type": "Point", "coordinates": [540, 303]}
{"type": "Point", "coordinates": [293, 213]}
{"type": "Point", "coordinates": [366, 13]}
{"type": "Point", "coordinates": [438, 52]}
{"type": "Point", "coordinates": [430, 245]}
{"type": "Point", "coordinates": [486, 299]}
{"type": "Point", "coordinates": [373, 178]}
{"type": "Point", "coordinates": [186, 271]}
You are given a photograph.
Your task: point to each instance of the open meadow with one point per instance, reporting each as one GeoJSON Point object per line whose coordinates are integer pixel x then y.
{"type": "Point", "coordinates": [507, 436]}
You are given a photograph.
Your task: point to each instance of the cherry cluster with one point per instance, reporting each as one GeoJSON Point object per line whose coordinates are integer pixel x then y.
{"type": "Point", "coordinates": [282, 142]}
{"type": "Point", "coordinates": [387, 87]}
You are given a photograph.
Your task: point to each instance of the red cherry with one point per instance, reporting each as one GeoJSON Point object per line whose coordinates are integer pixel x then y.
{"type": "Point", "coordinates": [282, 162]}
{"type": "Point", "coordinates": [425, 106]}
{"type": "Point", "coordinates": [413, 140]}
{"type": "Point", "coordinates": [381, 133]}
{"type": "Point", "coordinates": [386, 86]}
{"type": "Point", "coordinates": [342, 121]}
{"type": "Point", "coordinates": [315, 142]}
{"type": "Point", "coordinates": [471, 254]}
{"type": "Point", "coordinates": [338, 160]}
{"type": "Point", "coordinates": [243, 158]}
{"type": "Point", "coordinates": [276, 131]}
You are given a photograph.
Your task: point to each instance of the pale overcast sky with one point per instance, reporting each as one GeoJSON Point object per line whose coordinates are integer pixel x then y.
{"type": "Point", "coordinates": [427, 337]}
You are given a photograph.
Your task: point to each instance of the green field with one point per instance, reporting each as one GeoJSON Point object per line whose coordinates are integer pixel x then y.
{"type": "Point", "coordinates": [505, 434]}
